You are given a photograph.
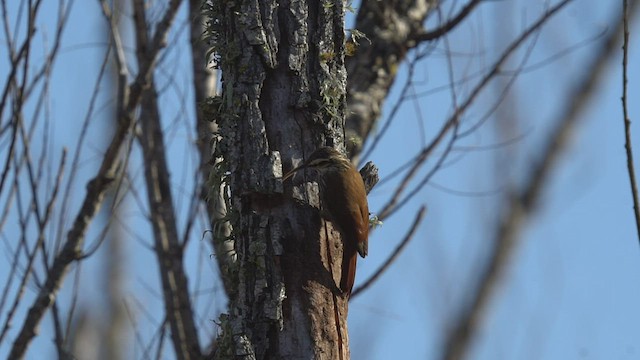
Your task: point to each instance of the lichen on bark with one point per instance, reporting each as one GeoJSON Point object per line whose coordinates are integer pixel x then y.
{"type": "Point", "coordinates": [282, 97]}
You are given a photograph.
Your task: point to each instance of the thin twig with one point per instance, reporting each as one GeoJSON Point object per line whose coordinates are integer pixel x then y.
{"type": "Point", "coordinates": [625, 114]}
{"type": "Point", "coordinates": [393, 255]}
{"type": "Point", "coordinates": [520, 205]}
{"type": "Point", "coordinates": [96, 188]}
{"type": "Point", "coordinates": [394, 110]}
{"type": "Point", "coordinates": [449, 25]}
{"type": "Point", "coordinates": [167, 245]}
{"type": "Point", "coordinates": [396, 202]}
{"type": "Point", "coordinates": [168, 249]}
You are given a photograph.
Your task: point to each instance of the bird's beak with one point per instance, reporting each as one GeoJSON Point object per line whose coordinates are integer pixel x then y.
{"type": "Point", "coordinates": [292, 172]}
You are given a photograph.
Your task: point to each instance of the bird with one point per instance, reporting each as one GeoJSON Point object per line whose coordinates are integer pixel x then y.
{"type": "Point", "coordinates": [344, 203]}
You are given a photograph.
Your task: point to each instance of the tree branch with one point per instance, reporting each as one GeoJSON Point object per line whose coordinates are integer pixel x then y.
{"type": "Point", "coordinates": [391, 27]}
{"type": "Point", "coordinates": [520, 205]}
{"type": "Point", "coordinates": [394, 255]}
{"type": "Point", "coordinates": [625, 115]}
{"type": "Point", "coordinates": [167, 245]}
{"type": "Point", "coordinates": [396, 202]}
{"type": "Point", "coordinates": [96, 189]}
{"type": "Point", "coordinates": [449, 25]}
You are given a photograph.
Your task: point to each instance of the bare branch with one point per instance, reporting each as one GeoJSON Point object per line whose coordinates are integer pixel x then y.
{"type": "Point", "coordinates": [167, 244]}
{"type": "Point", "coordinates": [394, 255]}
{"type": "Point", "coordinates": [96, 188]}
{"type": "Point", "coordinates": [520, 205]}
{"type": "Point", "coordinates": [625, 114]}
{"type": "Point", "coordinates": [391, 26]}
{"type": "Point", "coordinates": [395, 202]}
{"type": "Point", "coordinates": [449, 25]}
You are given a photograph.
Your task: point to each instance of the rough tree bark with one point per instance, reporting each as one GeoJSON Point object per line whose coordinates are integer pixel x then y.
{"type": "Point", "coordinates": [392, 28]}
{"type": "Point", "coordinates": [283, 96]}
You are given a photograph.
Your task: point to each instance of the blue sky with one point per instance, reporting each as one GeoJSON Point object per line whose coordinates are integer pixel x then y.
{"type": "Point", "coordinates": [571, 291]}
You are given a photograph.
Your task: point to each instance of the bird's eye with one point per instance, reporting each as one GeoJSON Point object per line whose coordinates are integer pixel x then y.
{"type": "Point", "coordinates": [319, 163]}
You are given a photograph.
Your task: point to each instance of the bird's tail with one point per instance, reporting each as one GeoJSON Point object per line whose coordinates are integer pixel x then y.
{"type": "Point", "coordinates": [348, 276]}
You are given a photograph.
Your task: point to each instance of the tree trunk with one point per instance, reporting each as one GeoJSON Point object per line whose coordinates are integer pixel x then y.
{"type": "Point", "coordinates": [283, 96]}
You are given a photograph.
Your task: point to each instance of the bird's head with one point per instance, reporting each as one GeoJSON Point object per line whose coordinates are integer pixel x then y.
{"type": "Point", "coordinates": [324, 159]}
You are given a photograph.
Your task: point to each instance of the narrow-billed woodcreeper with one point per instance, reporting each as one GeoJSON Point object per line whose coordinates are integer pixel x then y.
{"type": "Point", "coordinates": [344, 203]}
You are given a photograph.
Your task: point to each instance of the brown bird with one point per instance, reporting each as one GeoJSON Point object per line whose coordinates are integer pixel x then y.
{"type": "Point", "coordinates": [344, 202]}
